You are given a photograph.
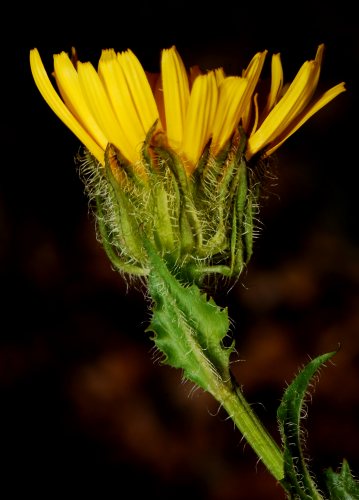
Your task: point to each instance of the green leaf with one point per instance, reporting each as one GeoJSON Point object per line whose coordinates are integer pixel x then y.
{"type": "Point", "coordinates": [188, 329]}
{"type": "Point", "coordinates": [342, 485]}
{"type": "Point", "coordinates": [297, 480]}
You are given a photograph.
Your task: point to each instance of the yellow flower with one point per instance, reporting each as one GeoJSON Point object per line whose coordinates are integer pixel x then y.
{"type": "Point", "coordinates": [119, 102]}
{"type": "Point", "coordinates": [145, 134]}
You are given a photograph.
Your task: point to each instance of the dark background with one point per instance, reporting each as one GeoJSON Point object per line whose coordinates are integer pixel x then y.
{"type": "Point", "coordinates": [85, 407]}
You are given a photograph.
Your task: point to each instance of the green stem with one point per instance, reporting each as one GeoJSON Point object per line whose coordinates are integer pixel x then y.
{"type": "Point", "coordinates": [189, 329]}
{"type": "Point", "coordinates": [232, 400]}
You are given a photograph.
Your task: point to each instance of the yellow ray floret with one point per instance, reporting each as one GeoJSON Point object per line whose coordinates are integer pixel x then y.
{"type": "Point", "coordinates": [62, 111]}
{"type": "Point", "coordinates": [276, 84]}
{"type": "Point", "coordinates": [176, 95]}
{"type": "Point", "coordinates": [231, 103]}
{"type": "Point", "coordinates": [293, 109]}
{"type": "Point", "coordinates": [119, 103]}
{"type": "Point", "coordinates": [252, 74]}
{"type": "Point", "coordinates": [99, 103]}
{"type": "Point", "coordinates": [328, 96]}
{"type": "Point", "coordinates": [119, 93]}
{"type": "Point", "coordinates": [140, 89]}
{"type": "Point", "coordinates": [199, 118]}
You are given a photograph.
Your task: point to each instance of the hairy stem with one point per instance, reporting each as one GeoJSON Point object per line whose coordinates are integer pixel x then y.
{"type": "Point", "coordinates": [233, 401]}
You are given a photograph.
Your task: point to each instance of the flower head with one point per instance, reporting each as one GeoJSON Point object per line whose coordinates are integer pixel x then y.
{"type": "Point", "coordinates": [170, 150]}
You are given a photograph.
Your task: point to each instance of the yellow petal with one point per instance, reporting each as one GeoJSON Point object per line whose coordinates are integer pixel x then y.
{"type": "Point", "coordinates": [101, 108]}
{"type": "Point", "coordinates": [285, 110]}
{"type": "Point", "coordinates": [213, 96]}
{"type": "Point", "coordinates": [200, 115]}
{"type": "Point", "coordinates": [175, 93]}
{"type": "Point", "coordinates": [68, 82]}
{"type": "Point", "coordinates": [318, 63]}
{"type": "Point", "coordinates": [140, 90]}
{"type": "Point", "coordinates": [328, 96]}
{"type": "Point", "coordinates": [120, 97]}
{"type": "Point", "coordinates": [252, 74]}
{"type": "Point", "coordinates": [253, 71]}
{"type": "Point", "coordinates": [57, 105]}
{"type": "Point", "coordinates": [220, 76]}
{"type": "Point", "coordinates": [230, 106]}
{"type": "Point", "coordinates": [255, 111]}
{"type": "Point", "coordinates": [310, 88]}
{"type": "Point", "coordinates": [276, 83]}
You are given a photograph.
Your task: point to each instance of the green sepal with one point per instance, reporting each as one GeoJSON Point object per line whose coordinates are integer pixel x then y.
{"type": "Point", "coordinates": [146, 147]}
{"type": "Point", "coordinates": [117, 262]}
{"type": "Point", "coordinates": [127, 169]}
{"type": "Point", "coordinates": [239, 206]}
{"type": "Point", "coordinates": [188, 329]}
{"type": "Point", "coordinates": [197, 175]}
{"type": "Point", "coordinates": [244, 209]}
{"type": "Point", "coordinates": [297, 479]}
{"type": "Point", "coordinates": [213, 170]}
{"type": "Point", "coordinates": [125, 220]}
{"type": "Point", "coordinates": [342, 485]}
{"type": "Point", "coordinates": [190, 227]}
{"type": "Point", "coordinates": [249, 226]}
{"type": "Point", "coordinates": [163, 232]}
{"type": "Point", "coordinates": [176, 166]}
{"type": "Point", "coordinates": [230, 166]}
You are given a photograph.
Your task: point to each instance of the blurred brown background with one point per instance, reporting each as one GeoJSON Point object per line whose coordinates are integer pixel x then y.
{"type": "Point", "coordinates": [85, 408]}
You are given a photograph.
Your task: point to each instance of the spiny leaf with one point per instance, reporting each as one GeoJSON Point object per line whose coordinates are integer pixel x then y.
{"type": "Point", "coordinates": [188, 329]}
{"type": "Point", "coordinates": [297, 480]}
{"type": "Point", "coordinates": [342, 485]}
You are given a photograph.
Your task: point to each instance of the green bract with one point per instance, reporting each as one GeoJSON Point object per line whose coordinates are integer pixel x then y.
{"type": "Point", "coordinates": [199, 224]}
